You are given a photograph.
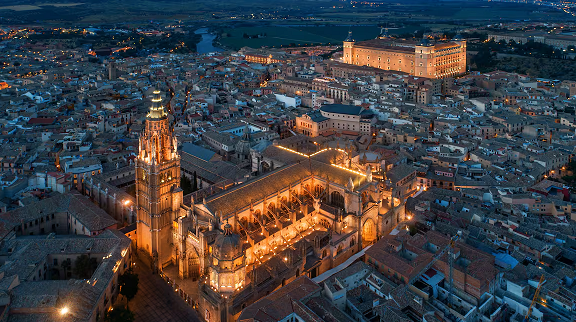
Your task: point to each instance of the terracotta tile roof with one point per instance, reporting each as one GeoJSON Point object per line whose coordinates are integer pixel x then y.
{"type": "Point", "coordinates": [282, 302]}
{"type": "Point", "coordinates": [78, 206]}
{"type": "Point", "coordinates": [42, 121]}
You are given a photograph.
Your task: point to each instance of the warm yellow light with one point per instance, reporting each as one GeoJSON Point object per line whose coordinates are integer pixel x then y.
{"type": "Point", "coordinates": [64, 310]}
{"type": "Point", "coordinates": [126, 202]}
{"type": "Point", "coordinates": [349, 170]}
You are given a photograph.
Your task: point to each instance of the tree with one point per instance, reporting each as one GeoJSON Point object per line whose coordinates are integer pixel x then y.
{"type": "Point", "coordinates": [186, 185]}
{"type": "Point", "coordinates": [84, 266]}
{"type": "Point", "coordinates": [66, 266]}
{"type": "Point", "coordinates": [119, 314]}
{"type": "Point", "coordinates": [128, 283]}
{"type": "Point", "coordinates": [195, 182]}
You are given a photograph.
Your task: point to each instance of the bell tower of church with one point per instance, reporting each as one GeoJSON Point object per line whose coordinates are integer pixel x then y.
{"type": "Point", "coordinates": [158, 192]}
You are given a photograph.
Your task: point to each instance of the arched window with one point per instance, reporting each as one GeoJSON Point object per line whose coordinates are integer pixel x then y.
{"type": "Point", "coordinates": [318, 189]}
{"type": "Point", "coordinates": [265, 166]}
{"type": "Point", "coordinates": [337, 199]}
{"type": "Point", "coordinates": [369, 231]}
{"type": "Point", "coordinates": [257, 215]}
{"type": "Point", "coordinates": [352, 242]}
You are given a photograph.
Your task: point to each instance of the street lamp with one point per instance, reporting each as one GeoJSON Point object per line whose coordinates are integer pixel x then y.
{"type": "Point", "coordinates": [125, 205]}
{"type": "Point", "coordinates": [65, 310]}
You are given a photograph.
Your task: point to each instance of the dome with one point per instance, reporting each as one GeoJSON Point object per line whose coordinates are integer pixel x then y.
{"type": "Point", "coordinates": [243, 146]}
{"type": "Point", "coordinates": [458, 37]}
{"type": "Point", "coordinates": [383, 33]}
{"type": "Point", "coordinates": [227, 246]}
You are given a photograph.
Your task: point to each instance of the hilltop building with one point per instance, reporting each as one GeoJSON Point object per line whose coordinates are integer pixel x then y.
{"type": "Point", "coordinates": [439, 60]}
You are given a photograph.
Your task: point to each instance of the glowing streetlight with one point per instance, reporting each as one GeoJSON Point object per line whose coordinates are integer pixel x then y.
{"type": "Point", "coordinates": [126, 202]}
{"type": "Point", "coordinates": [65, 310]}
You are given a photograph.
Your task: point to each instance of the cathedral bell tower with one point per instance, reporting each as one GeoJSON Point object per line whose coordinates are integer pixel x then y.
{"type": "Point", "coordinates": [158, 192]}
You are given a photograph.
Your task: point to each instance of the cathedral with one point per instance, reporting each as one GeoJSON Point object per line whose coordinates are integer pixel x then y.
{"type": "Point", "coordinates": [304, 217]}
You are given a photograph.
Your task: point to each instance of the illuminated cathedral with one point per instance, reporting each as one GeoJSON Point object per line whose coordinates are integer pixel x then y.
{"type": "Point", "coordinates": [305, 217]}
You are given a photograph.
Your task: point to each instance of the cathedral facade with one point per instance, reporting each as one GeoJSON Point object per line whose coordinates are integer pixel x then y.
{"type": "Point", "coordinates": [303, 218]}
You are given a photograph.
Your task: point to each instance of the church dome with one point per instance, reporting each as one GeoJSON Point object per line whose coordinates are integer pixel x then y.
{"type": "Point", "coordinates": [243, 146]}
{"type": "Point", "coordinates": [227, 246]}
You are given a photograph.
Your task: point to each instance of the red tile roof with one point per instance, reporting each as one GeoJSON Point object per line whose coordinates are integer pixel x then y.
{"type": "Point", "coordinates": [42, 121]}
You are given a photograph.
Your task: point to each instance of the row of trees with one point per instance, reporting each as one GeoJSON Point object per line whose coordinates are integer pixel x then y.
{"type": "Point", "coordinates": [128, 283]}
{"type": "Point", "coordinates": [247, 36]}
{"type": "Point", "coordinates": [531, 58]}
{"type": "Point", "coordinates": [187, 185]}
{"type": "Point", "coordinates": [84, 266]}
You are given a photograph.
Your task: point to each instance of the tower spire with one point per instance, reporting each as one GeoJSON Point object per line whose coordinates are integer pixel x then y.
{"type": "Point", "coordinates": [156, 109]}
{"type": "Point", "coordinates": [157, 179]}
{"type": "Point", "coordinates": [349, 38]}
